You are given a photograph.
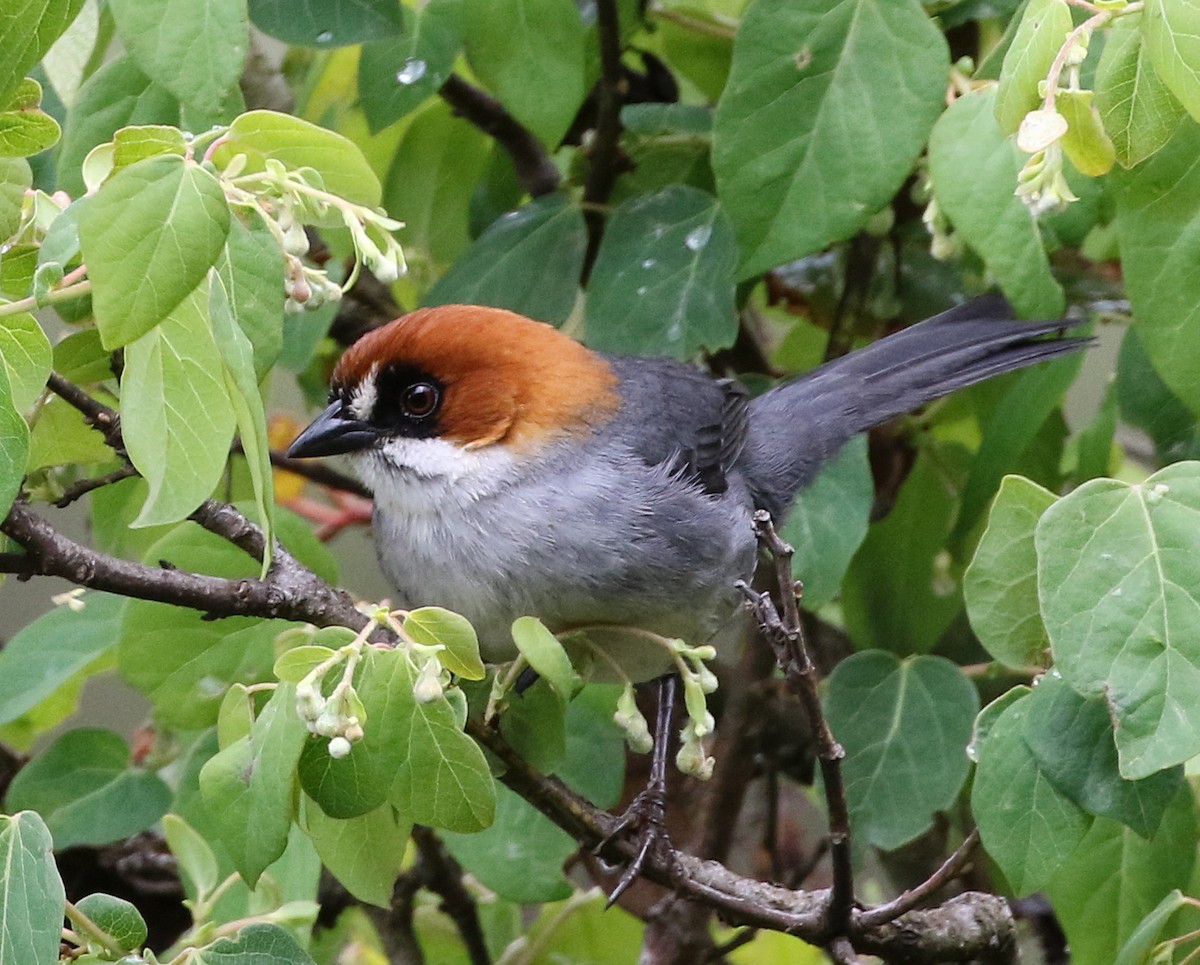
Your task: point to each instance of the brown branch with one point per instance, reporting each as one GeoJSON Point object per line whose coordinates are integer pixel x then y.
{"type": "Point", "coordinates": [786, 637]}
{"type": "Point", "coordinates": [85, 486]}
{"type": "Point", "coordinates": [949, 870]}
{"type": "Point", "coordinates": [443, 876]}
{"type": "Point", "coordinates": [535, 168]}
{"type": "Point", "coordinates": [318, 473]}
{"type": "Point", "coordinates": [970, 927]}
{"type": "Point", "coordinates": [96, 414]}
{"type": "Point", "coordinates": [604, 152]}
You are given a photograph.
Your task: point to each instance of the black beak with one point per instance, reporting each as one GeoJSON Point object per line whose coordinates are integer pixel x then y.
{"type": "Point", "coordinates": [332, 433]}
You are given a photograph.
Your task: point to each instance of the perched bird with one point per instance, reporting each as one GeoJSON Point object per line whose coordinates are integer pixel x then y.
{"type": "Point", "coordinates": [517, 472]}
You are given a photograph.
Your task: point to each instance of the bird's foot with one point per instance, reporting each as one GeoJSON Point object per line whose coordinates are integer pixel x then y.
{"type": "Point", "coordinates": [646, 816]}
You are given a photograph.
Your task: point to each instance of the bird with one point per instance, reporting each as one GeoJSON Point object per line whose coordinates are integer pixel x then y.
{"type": "Point", "coordinates": [516, 471]}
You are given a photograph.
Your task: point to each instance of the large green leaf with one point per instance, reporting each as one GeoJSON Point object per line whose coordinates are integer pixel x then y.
{"type": "Point", "coordinates": [15, 179]}
{"type": "Point", "coordinates": [827, 107]}
{"type": "Point", "coordinates": [1158, 227]}
{"type": "Point", "coordinates": [1172, 32]}
{"type": "Point", "coordinates": [1119, 581]}
{"type": "Point", "coordinates": [365, 853]}
{"type": "Point", "coordinates": [176, 416]}
{"type": "Point", "coordinates": [298, 143]}
{"type": "Point", "coordinates": [1027, 825]}
{"type": "Point", "coordinates": [208, 36]}
{"type": "Point", "coordinates": [163, 221]}
{"type": "Point", "coordinates": [250, 786]}
{"type": "Point", "coordinates": [331, 23]}
{"type": "Point", "coordinates": [1040, 33]}
{"type": "Point", "coordinates": [1000, 584]}
{"type": "Point", "coordinates": [86, 788]}
{"type": "Point", "coordinates": [29, 27]}
{"type": "Point", "coordinates": [1115, 878]}
{"type": "Point", "coordinates": [974, 167]}
{"type": "Point", "coordinates": [31, 892]}
{"type": "Point", "coordinates": [829, 521]}
{"type": "Point", "coordinates": [251, 269]}
{"type": "Point", "coordinates": [528, 261]}
{"type": "Point", "coordinates": [14, 445]}
{"type": "Point", "coordinates": [1072, 738]}
{"type": "Point", "coordinates": [905, 727]}
{"type": "Point", "coordinates": [530, 53]}
{"type": "Point", "coordinates": [663, 282]}
{"type": "Point", "coordinates": [116, 95]}
{"type": "Point", "coordinates": [48, 652]}
{"type": "Point", "coordinates": [396, 74]}
{"type": "Point", "coordinates": [1139, 111]}
{"type": "Point", "coordinates": [25, 354]}
{"type": "Point", "coordinates": [257, 944]}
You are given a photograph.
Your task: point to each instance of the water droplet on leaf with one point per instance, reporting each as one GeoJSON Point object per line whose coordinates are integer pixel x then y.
{"type": "Point", "coordinates": [413, 70]}
{"type": "Point", "coordinates": [697, 238]}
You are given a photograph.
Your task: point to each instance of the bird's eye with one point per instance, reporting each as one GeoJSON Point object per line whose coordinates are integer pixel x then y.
{"type": "Point", "coordinates": [420, 399]}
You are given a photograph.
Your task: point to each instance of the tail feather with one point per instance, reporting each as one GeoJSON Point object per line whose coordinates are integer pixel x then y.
{"type": "Point", "coordinates": [819, 412]}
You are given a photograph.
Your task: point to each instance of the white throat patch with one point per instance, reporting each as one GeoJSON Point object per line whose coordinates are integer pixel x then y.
{"type": "Point", "coordinates": [433, 475]}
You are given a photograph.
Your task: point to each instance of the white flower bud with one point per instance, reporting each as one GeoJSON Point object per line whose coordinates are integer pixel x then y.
{"type": "Point", "coordinates": [339, 747]}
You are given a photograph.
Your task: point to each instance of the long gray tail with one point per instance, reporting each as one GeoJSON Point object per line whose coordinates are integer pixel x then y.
{"type": "Point", "coordinates": [798, 426]}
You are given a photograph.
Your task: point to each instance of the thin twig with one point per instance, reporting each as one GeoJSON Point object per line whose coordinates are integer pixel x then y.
{"type": "Point", "coordinates": [604, 152]}
{"type": "Point", "coordinates": [534, 166]}
{"type": "Point", "coordinates": [318, 473]}
{"type": "Point", "coordinates": [443, 876]}
{"type": "Point", "coordinates": [949, 870]}
{"type": "Point", "coordinates": [99, 416]}
{"type": "Point", "coordinates": [787, 639]}
{"type": "Point", "coordinates": [85, 486]}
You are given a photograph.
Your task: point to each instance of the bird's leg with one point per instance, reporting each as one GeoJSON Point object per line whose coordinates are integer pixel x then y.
{"type": "Point", "coordinates": [647, 811]}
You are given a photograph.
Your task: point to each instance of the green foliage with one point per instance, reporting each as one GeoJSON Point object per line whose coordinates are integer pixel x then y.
{"type": "Point", "coordinates": [785, 180]}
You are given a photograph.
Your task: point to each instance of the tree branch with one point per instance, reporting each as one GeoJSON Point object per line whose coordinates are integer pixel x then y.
{"type": "Point", "coordinates": [949, 870]}
{"type": "Point", "coordinates": [535, 168]}
{"type": "Point", "coordinates": [443, 876]}
{"type": "Point", "coordinates": [604, 154]}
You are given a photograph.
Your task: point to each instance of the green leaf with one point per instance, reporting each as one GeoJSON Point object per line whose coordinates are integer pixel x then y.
{"type": "Point", "coordinates": [530, 54]}
{"type": "Point", "coordinates": [210, 37]}
{"type": "Point", "coordinates": [443, 779]}
{"type": "Point", "coordinates": [545, 654]}
{"type": "Point", "coordinates": [177, 418]}
{"type": "Point", "coordinates": [528, 261]}
{"type": "Point", "coordinates": [29, 27]}
{"type": "Point", "coordinates": [1086, 143]}
{"type": "Point", "coordinates": [905, 727]}
{"type": "Point", "coordinates": [973, 168]}
{"type": "Point", "coordinates": [15, 178]}
{"type": "Point", "coordinates": [117, 918]}
{"type": "Point", "coordinates": [31, 891]}
{"type": "Point", "coordinates": [594, 762]}
{"type": "Point", "coordinates": [898, 594]}
{"type": "Point", "coordinates": [1172, 36]}
{"type": "Point", "coordinates": [251, 269]}
{"type": "Point", "coordinates": [257, 944]}
{"type": "Point", "coordinates": [332, 23]}
{"type": "Point", "coordinates": [433, 625]}
{"type": "Point", "coordinates": [827, 107]}
{"type": "Point", "coordinates": [61, 437]}
{"type": "Point", "coordinates": [237, 361]}
{"type": "Point", "coordinates": [1139, 947]}
{"type": "Point", "coordinates": [359, 782]}
{"type": "Point", "coordinates": [1115, 879]}
{"type": "Point", "coordinates": [534, 724]}
{"type": "Point", "coordinates": [298, 143]}
{"type": "Point", "coordinates": [250, 786]}
{"type": "Point", "coordinates": [117, 95]}
{"type": "Point", "coordinates": [1073, 740]}
{"type": "Point", "coordinates": [26, 132]}
{"type": "Point", "coordinates": [25, 354]}
{"type": "Point", "coordinates": [297, 663]}
{"type": "Point", "coordinates": [396, 75]}
{"type": "Point", "coordinates": [137, 143]}
{"type": "Point", "coordinates": [1158, 229]}
{"type": "Point", "coordinates": [663, 282]}
{"type": "Point", "coordinates": [87, 791]}
{"type": "Point", "coordinates": [163, 220]}
{"type": "Point", "coordinates": [1148, 404]}
{"type": "Point", "coordinates": [176, 657]}
{"type": "Point", "coordinates": [1119, 590]}
{"type": "Point", "coordinates": [1027, 826]}
{"type": "Point", "coordinates": [829, 521]}
{"type": "Point", "coordinates": [520, 856]}
{"type": "Point", "coordinates": [1000, 584]}
{"type": "Point", "coordinates": [197, 863]}
{"type": "Point", "coordinates": [47, 653]}
{"type": "Point", "coordinates": [365, 853]}
{"type": "Point", "coordinates": [1138, 111]}
{"type": "Point", "coordinates": [1043, 27]}
{"type": "Point", "coordinates": [437, 164]}
{"type": "Point", "coordinates": [14, 445]}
